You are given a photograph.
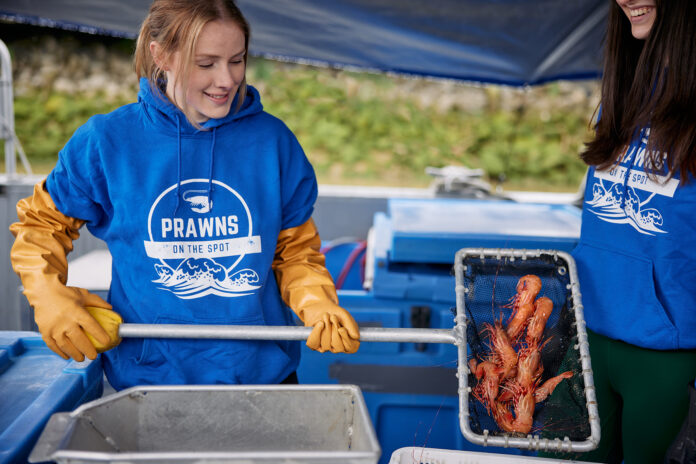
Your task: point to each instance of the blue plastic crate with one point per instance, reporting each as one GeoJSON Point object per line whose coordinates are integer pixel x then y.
{"type": "Point", "coordinates": [35, 383]}
{"type": "Point", "coordinates": [414, 243]}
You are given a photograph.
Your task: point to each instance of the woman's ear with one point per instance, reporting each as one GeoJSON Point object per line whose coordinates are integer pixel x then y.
{"type": "Point", "coordinates": [156, 52]}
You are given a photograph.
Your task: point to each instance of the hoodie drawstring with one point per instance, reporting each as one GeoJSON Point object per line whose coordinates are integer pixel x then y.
{"type": "Point", "coordinates": [178, 164]}
{"type": "Point", "coordinates": [210, 171]}
{"type": "Point", "coordinates": [178, 167]}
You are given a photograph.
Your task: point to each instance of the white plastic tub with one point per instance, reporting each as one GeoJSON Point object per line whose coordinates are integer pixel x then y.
{"type": "Point", "coordinates": [415, 455]}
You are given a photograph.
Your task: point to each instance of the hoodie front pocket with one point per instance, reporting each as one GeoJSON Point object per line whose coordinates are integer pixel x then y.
{"type": "Point", "coordinates": [619, 297]}
{"type": "Point", "coordinates": [211, 361]}
{"type": "Point", "coordinates": [159, 351]}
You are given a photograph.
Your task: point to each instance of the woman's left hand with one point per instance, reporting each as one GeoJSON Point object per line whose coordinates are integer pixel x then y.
{"type": "Point", "coordinates": [334, 330]}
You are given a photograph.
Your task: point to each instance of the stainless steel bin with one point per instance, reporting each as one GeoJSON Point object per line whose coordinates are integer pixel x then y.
{"type": "Point", "coordinates": [215, 424]}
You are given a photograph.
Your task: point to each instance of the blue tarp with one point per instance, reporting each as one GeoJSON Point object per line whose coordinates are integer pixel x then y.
{"type": "Point", "coordinates": [515, 42]}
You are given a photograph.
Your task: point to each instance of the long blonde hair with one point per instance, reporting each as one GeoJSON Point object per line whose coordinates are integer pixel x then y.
{"type": "Point", "coordinates": [175, 25]}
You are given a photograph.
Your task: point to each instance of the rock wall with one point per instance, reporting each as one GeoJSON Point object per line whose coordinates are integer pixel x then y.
{"type": "Point", "coordinates": [72, 66]}
{"type": "Point", "coordinates": [69, 66]}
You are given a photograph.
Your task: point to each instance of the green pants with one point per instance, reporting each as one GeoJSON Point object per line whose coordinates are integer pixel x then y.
{"type": "Point", "coordinates": [642, 397]}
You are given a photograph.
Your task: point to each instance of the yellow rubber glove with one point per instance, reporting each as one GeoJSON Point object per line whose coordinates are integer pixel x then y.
{"type": "Point", "coordinates": [307, 287]}
{"type": "Point", "coordinates": [44, 237]}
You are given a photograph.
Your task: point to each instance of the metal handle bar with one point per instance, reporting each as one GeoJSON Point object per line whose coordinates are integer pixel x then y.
{"type": "Point", "coordinates": [263, 332]}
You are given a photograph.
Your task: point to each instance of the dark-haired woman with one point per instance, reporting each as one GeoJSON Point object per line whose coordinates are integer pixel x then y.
{"type": "Point", "coordinates": [637, 253]}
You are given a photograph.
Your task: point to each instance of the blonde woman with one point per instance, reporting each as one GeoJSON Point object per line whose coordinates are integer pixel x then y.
{"type": "Point", "coordinates": [205, 203]}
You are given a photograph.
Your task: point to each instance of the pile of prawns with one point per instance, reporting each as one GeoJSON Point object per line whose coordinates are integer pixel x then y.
{"type": "Point", "coordinates": [509, 377]}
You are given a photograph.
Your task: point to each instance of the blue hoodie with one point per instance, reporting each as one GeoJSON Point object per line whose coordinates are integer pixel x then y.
{"type": "Point", "coordinates": [191, 218]}
{"type": "Point", "coordinates": [636, 257]}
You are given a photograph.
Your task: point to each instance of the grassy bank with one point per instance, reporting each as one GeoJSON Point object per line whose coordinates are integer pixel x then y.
{"type": "Point", "coordinates": [356, 128]}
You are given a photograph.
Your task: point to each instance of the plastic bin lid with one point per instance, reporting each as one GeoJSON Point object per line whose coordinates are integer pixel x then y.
{"type": "Point", "coordinates": [432, 231]}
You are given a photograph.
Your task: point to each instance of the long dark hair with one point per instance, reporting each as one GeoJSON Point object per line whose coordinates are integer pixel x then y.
{"type": "Point", "coordinates": [649, 83]}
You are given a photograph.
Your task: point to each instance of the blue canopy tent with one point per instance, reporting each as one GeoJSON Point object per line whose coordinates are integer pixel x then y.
{"type": "Point", "coordinates": [513, 42]}
{"type": "Point", "coordinates": [510, 42]}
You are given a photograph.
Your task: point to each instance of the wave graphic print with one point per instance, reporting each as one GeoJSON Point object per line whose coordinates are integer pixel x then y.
{"type": "Point", "coordinates": [197, 277]}
{"type": "Point", "coordinates": [606, 204]}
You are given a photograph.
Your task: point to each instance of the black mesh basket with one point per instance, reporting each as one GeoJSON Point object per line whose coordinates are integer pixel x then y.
{"type": "Point", "coordinates": [486, 285]}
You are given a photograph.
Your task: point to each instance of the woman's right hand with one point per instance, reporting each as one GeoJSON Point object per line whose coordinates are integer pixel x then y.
{"type": "Point", "coordinates": [66, 325]}
{"type": "Point", "coordinates": [44, 237]}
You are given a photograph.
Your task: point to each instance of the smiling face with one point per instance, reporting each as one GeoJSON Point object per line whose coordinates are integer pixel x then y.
{"type": "Point", "coordinates": [218, 70]}
{"type": "Point", "coordinates": [641, 14]}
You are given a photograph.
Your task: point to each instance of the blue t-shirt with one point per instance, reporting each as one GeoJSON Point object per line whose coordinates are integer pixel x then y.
{"type": "Point", "coordinates": [636, 258]}
{"type": "Point", "coordinates": [191, 218]}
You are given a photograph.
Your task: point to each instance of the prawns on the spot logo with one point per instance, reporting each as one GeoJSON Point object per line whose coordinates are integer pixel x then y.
{"type": "Point", "coordinates": [199, 249]}
{"type": "Point", "coordinates": [613, 205]}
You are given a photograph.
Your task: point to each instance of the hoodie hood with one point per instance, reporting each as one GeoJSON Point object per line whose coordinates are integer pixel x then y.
{"type": "Point", "coordinates": [167, 117]}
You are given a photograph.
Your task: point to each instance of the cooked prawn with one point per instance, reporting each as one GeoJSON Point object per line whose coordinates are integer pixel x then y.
{"type": "Point", "coordinates": [529, 367]}
{"type": "Point", "coordinates": [523, 405]}
{"type": "Point", "coordinates": [528, 288]}
{"type": "Point", "coordinates": [542, 392]}
{"type": "Point", "coordinates": [504, 355]}
{"type": "Point", "coordinates": [543, 307]}
{"type": "Point", "coordinates": [486, 389]}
